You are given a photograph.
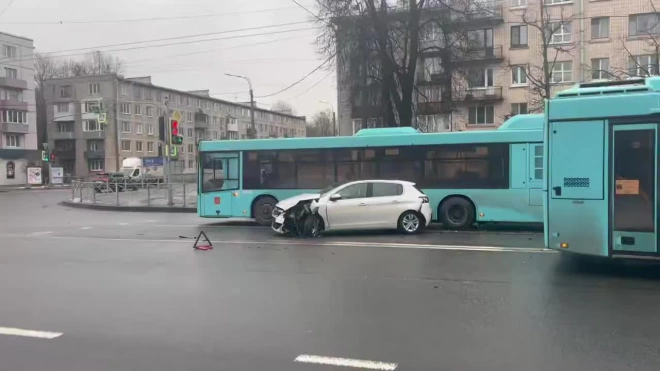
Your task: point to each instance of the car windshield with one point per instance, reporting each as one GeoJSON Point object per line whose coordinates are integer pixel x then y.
{"type": "Point", "coordinates": [328, 189]}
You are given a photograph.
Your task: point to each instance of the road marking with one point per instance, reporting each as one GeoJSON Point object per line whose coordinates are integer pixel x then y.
{"type": "Point", "coordinates": [345, 362]}
{"type": "Point", "coordinates": [37, 234]}
{"type": "Point", "coordinates": [29, 333]}
{"type": "Point", "coordinates": [336, 244]}
{"type": "Point", "coordinates": [86, 228]}
{"type": "Point", "coordinates": [123, 223]}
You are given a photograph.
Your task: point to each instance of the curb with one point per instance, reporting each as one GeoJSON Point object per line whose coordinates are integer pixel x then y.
{"type": "Point", "coordinates": [134, 209]}
{"type": "Point", "coordinates": [36, 188]}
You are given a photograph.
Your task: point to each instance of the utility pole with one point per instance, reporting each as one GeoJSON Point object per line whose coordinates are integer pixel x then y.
{"type": "Point", "coordinates": [168, 149]}
{"type": "Point", "coordinates": [334, 117]}
{"type": "Point", "coordinates": [252, 133]}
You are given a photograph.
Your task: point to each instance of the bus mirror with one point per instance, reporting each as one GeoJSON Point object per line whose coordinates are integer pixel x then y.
{"type": "Point", "coordinates": [335, 197]}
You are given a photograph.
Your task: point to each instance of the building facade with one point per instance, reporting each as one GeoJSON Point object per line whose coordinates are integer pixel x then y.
{"type": "Point", "coordinates": [84, 147]}
{"type": "Point", "coordinates": [587, 40]}
{"type": "Point", "coordinates": [18, 125]}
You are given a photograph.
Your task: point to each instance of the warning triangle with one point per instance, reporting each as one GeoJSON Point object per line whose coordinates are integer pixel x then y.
{"type": "Point", "coordinates": [204, 244]}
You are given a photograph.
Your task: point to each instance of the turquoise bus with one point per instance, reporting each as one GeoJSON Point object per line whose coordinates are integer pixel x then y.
{"type": "Point", "coordinates": [470, 177]}
{"type": "Point", "coordinates": [602, 169]}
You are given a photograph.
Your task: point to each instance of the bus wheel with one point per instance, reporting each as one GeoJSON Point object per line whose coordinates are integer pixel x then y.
{"type": "Point", "coordinates": [263, 210]}
{"type": "Point", "coordinates": [456, 213]}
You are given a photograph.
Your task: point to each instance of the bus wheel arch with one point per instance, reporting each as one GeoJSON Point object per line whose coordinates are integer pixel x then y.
{"type": "Point", "coordinates": [262, 209]}
{"type": "Point", "coordinates": [457, 212]}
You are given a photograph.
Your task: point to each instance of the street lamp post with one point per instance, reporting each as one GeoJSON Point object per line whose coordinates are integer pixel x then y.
{"type": "Point", "coordinates": [253, 129]}
{"type": "Point", "coordinates": [334, 121]}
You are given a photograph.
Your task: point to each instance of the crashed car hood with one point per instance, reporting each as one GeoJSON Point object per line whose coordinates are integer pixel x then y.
{"type": "Point", "coordinates": [293, 201]}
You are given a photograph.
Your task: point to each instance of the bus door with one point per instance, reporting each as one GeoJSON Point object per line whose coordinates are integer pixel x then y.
{"type": "Point", "coordinates": [220, 183]}
{"type": "Point", "coordinates": [633, 193]}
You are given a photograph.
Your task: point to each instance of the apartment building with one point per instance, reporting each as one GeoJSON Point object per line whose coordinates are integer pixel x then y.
{"type": "Point", "coordinates": [83, 146]}
{"type": "Point", "coordinates": [18, 127]}
{"type": "Point", "coordinates": [589, 40]}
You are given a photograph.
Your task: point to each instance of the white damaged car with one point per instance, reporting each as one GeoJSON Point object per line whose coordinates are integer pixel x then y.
{"type": "Point", "coordinates": [359, 205]}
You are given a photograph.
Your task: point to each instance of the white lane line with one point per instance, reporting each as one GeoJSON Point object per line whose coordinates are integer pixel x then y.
{"type": "Point", "coordinates": [123, 223]}
{"type": "Point", "coordinates": [37, 234]}
{"type": "Point", "coordinates": [337, 244]}
{"type": "Point", "coordinates": [86, 228]}
{"type": "Point", "coordinates": [29, 333]}
{"type": "Point", "coordinates": [345, 362]}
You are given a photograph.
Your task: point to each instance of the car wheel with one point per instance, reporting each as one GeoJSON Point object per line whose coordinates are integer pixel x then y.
{"type": "Point", "coordinates": [263, 210]}
{"type": "Point", "coordinates": [410, 222]}
{"type": "Point", "coordinates": [457, 213]}
{"type": "Point", "coordinates": [313, 226]}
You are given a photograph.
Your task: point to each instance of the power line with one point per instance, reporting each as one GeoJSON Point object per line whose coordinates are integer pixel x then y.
{"type": "Point", "coordinates": [313, 86]}
{"type": "Point", "coordinates": [152, 18]}
{"type": "Point", "coordinates": [7, 7]}
{"type": "Point", "coordinates": [301, 80]}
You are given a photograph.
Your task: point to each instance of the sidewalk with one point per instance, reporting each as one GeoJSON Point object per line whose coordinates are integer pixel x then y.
{"type": "Point", "coordinates": [129, 208]}
{"type": "Point", "coordinates": [32, 188]}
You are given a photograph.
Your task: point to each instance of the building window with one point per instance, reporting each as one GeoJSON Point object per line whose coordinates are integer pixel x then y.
{"type": "Point", "coordinates": [191, 148]}
{"type": "Point", "coordinates": [551, 2]}
{"type": "Point", "coordinates": [12, 141]}
{"type": "Point", "coordinates": [126, 108]}
{"type": "Point", "coordinates": [150, 146]}
{"type": "Point", "coordinates": [519, 75]}
{"type": "Point", "coordinates": [559, 32]}
{"type": "Point", "coordinates": [94, 89]}
{"type": "Point", "coordinates": [643, 65]}
{"type": "Point", "coordinates": [65, 127]}
{"type": "Point", "coordinates": [518, 36]}
{"type": "Point", "coordinates": [482, 115]}
{"type": "Point", "coordinates": [562, 72]}
{"type": "Point", "coordinates": [190, 133]}
{"type": "Point", "coordinates": [92, 145]}
{"type": "Point", "coordinates": [125, 127]}
{"type": "Point", "coordinates": [644, 24]}
{"type": "Point", "coordinates": [148, 94]}
{"type": "Point", "coordinates": [150, 111]}
{"type": "Point", "coordinates": [91, 125]}
{"type": "Point", "coordinates": [138, 109]}
{"type": "Point", "coordinates": [139, 128]}
{"type": "Point", "coordinates": [518, 109]}
{"type": "Point", "coordinates": [215, 135]}
{"type": "Point", "coordinates": [430, 123]}
{"type": "Point", "coordinates": [159, 96]}
{"type": "Point", "coordinates": [91, 107]}
{"type": "Point", "coordinates": [62, 107]}
{"type": "Point", "coordinates": [600, 28]}
{"type": "Point", "coordinates": [518, 3]}
{"type": "Point", "coordinates": [125, 145]}
{"type": "Point", "coordinates": [190, 117]}
{"type": "Point", "coordinates": [14, 117]}
{"type": "Point", "coordinates": [9, 51]}
{"type": "Point", "coordinates": [95, 165]}
{"type": "Point", "coordinates": [137, 92]}
{"type": "Point", "coordinates": [11, 73]}
{"type": "Point", "coordinates": [600, 69]}
{"type": "Point", "coordinates": [138, 146]}
{"type": "Point", "coordinates": [191, 164]}
{"type": "Point", "coordinates": [431, 67]}
{"type": "Point", "coordinates": [150, 129]}
{"type": "Point", "coordinates": [482, 77]}
{"type": "Point", "coordinates": [123, 89]}
{"type": "Point", "coordinates": [65, 91]}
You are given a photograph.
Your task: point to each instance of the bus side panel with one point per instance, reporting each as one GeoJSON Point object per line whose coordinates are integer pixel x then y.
{"type": "Point", "coordinates": [577, 199]}
{"type": "Point", "coordinates": [519, 164]}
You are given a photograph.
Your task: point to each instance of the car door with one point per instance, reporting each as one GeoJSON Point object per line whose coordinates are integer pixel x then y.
{"type": "Point", "coordinates": [350, 211]}
{"type": "Point", "coordinates": [386, 204]}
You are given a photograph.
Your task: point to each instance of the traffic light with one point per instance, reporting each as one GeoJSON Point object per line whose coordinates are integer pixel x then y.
{"type": "Point", "coordinates": [44, 156]}
{"type": "Point", "coordinates": [52, 157]}
{"type": "Point", "coordinates": [176, 134]}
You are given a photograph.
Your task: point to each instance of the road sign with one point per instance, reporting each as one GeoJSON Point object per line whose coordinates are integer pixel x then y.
{"type": "Point", "coordinates": [177, 116]}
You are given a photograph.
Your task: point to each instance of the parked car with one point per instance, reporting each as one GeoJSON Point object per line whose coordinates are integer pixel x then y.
{"type": "Point", "coordinates": [359, 205]}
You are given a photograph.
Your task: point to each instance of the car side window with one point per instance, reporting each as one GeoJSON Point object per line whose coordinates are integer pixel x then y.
{"type": "Point", "coordinates": [386, 189]}
{"type": "Point", "coordinates": [354, 191]}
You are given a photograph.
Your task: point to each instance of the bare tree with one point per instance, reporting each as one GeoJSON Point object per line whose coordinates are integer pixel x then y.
{"type": "Point", "coordinates": [647, 61]}
{"type": "Point", "coordinates": [321, 125]}
{"type": "Point", "coordinates": [551, 26]}
{"type": "Point", "coordinates": [284, 107]}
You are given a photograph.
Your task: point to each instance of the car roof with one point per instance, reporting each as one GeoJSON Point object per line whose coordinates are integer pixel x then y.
{"type": "Point", "coordinates": [403, 182]}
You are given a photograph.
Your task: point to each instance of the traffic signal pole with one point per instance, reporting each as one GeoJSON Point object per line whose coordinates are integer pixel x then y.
{"type": "Point", "coordinates": [168, 148]}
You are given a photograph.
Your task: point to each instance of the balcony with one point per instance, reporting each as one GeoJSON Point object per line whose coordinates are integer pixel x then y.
{"type": "Point", "coordinates": [65, 154]}
{"type": "Point", "coordinates": [13, 83]}
{"type": "Point", "coordinates": [201, 120]}
{"type": "Point", "coordinates": [58, 135]}
{"type": "Point", "coordinates": [479, 12]}
{"type": "Point", "coordinates": [14, 105]}
{"type": "Point", "coordinates": [93, 134]}
{"type": "Point", "coordinates": [93, 155]}
{"type": "Point", "coordinates": [14, 128]}
{"type": "Point", "coordinates": [488, 54]}
{"type": "Point", "coordinates": [432, 79]}
{"type": "Point", "coordinates": [232, 126]}
{"type": "Point", "coordinates": [490, 93]}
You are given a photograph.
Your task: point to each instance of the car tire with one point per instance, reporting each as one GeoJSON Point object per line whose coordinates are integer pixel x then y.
{"type": "Point", "coordinates": [313, 226]}
{"type": "Point", "coordinates": [457, 213]}
{"type": "Point", "coordinates": [410, 222]}
{"type": "Point", "coordinates": [262, 210]}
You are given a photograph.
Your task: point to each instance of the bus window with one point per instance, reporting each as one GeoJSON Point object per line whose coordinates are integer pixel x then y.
{"type": "Point", "coordinates": [467, 166]}
{"type": "Point", "coordinates": [401, 164]}
{"type": "Point", "coordinates": [316, 169]}
{"type": "Point", "coordinates": [219, 173]}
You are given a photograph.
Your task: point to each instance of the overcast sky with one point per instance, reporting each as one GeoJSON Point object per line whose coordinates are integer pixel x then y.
{"type": "Point", "coordinates": [273, 60]}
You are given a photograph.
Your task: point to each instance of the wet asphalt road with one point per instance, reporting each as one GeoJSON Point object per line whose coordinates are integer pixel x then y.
{"type": "Point", "coordinates": [128, 293]}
